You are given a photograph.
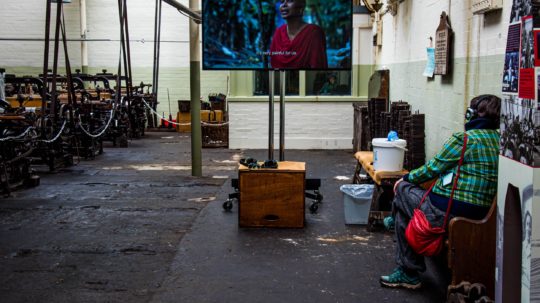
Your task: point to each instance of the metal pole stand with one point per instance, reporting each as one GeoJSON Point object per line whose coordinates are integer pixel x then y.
{"type": "Point", "coordinates": [311, 184]}
{"type": "Point", "coordinates": [271, 115]}
{"type": "Point", "coordinates": [282, 115]}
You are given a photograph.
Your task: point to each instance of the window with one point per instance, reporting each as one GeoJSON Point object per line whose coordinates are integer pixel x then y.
{"type": "Point", "coordinates": [291, 80]}
{"type": "Point", "coordinates": [336, 83]}
{"type": "Point", "coordinates": [317, 83]}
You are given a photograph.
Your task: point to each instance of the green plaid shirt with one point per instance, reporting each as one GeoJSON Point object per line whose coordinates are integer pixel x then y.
{"type": "Point", "coordinates": [477, 183]}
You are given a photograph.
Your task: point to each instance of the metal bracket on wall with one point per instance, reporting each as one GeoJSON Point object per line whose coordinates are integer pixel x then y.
{"type": "Point", "coordinates": [392, 7]}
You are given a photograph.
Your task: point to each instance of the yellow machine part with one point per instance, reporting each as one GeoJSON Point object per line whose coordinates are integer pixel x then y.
{"type": "Point", "coordinates": [30, 101]}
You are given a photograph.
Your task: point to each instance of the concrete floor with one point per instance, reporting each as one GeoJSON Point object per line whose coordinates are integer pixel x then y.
{"type": "Point", "coordinates": [134, 226]}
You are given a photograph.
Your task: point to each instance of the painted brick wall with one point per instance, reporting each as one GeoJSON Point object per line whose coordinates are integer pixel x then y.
{"type": "Point", "coordinates": [477, 66]}
{"type": "Point", "coordinates": [103, 24]}
{"type": "Point", "coordinates": [26, 57]}
{"type": "Point", "coordinates": [309, 125]}
{"type": "Point", "coordinates": [103, 33]}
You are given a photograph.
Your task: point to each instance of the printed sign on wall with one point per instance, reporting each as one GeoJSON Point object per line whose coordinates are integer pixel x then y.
{"type": "Point", "coordinates": [511, 61]}
{"type": "Point", "coordinates": [520, 124]}
{"type": "Point", "coordinates": [443, 38]}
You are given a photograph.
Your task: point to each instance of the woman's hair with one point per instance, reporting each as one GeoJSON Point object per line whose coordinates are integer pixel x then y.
{"type": "Point", "coordinates": [487, 106]}
{"type": "Point", "coordinates": [301, 2]}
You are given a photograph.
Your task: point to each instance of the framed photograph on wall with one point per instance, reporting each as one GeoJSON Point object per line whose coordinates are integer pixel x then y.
{"type": "Point", "coordinates": [519, 129]}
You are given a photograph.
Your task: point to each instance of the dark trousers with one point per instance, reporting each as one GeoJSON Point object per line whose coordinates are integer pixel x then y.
{"type": "Point", "coordinates": [407, 198]}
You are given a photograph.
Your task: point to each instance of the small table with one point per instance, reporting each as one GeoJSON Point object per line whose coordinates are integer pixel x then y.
{"type": "Point", "coordinates": [272, 197]}
{"type": "Point", "coordinates": [381, 203]}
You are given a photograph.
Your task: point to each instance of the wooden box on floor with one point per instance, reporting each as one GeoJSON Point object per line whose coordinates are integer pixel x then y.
{"type": "Point", "coordinates": [206, 116]}
{"type": "Point", "coordinates": [272, 197]}
{"type": "Point", "coordinates": [215, 134]}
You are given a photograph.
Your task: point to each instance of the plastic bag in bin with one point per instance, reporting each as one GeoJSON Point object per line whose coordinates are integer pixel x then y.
{"type": "Point", "coordinates": [358, 191]}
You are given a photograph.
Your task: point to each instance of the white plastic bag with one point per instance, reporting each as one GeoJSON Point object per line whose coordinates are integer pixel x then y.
{"type": "Point", "coordinates": [358, 191]}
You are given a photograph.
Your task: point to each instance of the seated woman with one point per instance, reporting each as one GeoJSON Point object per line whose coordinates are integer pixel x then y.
{"type": "Point", "coordinates": [476, 186]}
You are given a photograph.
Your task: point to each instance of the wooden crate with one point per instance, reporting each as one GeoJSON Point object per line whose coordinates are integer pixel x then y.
{"type": "Point", "coordinates": [184, 106]}
{"type": "Point", "coordinates": [272, 197]}
{"type": "Point", "coordinates": [215, 134]}
{"type": "Point", "coordinates": [206, 116]}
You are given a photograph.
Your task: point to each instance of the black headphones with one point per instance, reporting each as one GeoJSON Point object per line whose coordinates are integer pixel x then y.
{"type": "Point", "coordinates": [471, 114]}
{"type": "Point", "coordinates": [253, 164]}
{"type": "Point", "coordinates": [250, 163]}
{"type": "Point", "coordinates": [270, 164]}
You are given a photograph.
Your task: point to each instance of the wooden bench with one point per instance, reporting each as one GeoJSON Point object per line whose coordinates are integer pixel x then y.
{"type": "Point", "coordinates": [365, 161]}
{"type": "Point", "coordinates": [383, 194]}
{"type": "Point", "coordinates": [472, 249]}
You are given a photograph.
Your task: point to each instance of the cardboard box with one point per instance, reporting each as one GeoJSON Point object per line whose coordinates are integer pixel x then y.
{"type": "Point", "coordinates": [206, 116]}
{"type": "Point", "coordinates": [183, 118]}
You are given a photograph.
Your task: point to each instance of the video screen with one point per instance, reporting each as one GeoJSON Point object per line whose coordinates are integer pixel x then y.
{"type": "Point", "coordinates": [279, 34]}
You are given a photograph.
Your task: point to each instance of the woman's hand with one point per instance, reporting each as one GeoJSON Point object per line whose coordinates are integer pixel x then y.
{"type": "Point", "coordinates": [396, 185]}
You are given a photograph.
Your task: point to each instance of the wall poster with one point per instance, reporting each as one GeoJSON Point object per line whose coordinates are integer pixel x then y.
{"type": "Point", "coordinates": [527, 43]}
{"type": "Point", "coordinates": [536, 35]}
{"type": "Point", "coordinates": [511, 61]}
{"type": "Point", "coordinates": [519, 130]}
{"type": "Point", "coordinates": [430, 64]}
{"type": "Point", "coordinates": [527, 88]}
{"type": "Point", "coordinates": [526, 73]}
{"type": "Point", "coordinates": [520, 143]}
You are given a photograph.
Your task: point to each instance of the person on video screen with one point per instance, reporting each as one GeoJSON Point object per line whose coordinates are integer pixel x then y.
{"type": "Point", "coordinates": [330, 87]}
{"type": "Point", "coordinates": [297, 44]}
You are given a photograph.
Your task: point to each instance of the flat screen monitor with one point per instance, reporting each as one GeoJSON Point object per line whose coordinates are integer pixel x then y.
{"type": "Point", "coordinates": [277, 35]}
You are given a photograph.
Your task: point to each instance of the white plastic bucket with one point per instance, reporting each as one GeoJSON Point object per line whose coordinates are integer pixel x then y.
{"type": "Point", "coordinates": [388, 155]}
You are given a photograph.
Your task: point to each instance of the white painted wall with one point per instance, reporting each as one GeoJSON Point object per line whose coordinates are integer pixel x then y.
{"type": "Point", "coordinates": [309, 125]}
{"type": "Point", "coordinates": [479, 41]}
{"type": "Point", "coordinates": [406, 35]}
{"type": "Point", "coordinates": [26, 20]}
{"type": "Point", "coordinates": [362, 40]}
{"type": "Point", "coordinates": [103, 24]}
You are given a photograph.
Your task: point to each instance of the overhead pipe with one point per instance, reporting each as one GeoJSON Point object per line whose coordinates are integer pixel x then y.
{"type": "Point", "coordinates": [192, 13]}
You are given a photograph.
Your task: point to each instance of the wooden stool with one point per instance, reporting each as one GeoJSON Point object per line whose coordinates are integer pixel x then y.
{"type": "Point", "coordinates": [383, 195]}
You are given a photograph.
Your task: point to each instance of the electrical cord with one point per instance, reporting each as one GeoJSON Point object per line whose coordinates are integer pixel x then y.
{"type": "Point", "coordinates": [182, 124]}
